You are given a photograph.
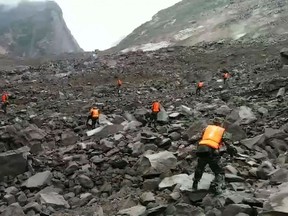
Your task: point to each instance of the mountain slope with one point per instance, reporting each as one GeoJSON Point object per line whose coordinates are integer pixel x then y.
{"type": "Point", "coordinates": [35, 29]}
{"type": "Point", "coordinates": [191, 21]}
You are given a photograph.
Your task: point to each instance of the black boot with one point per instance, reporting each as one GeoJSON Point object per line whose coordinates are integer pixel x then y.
{"type": "Point", "coordinates": [195, 185]}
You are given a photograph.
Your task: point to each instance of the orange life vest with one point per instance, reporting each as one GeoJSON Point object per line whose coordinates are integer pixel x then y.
{"type": "Point", "coordinates": [156, 107]}
{"type": "Point", "coordinates": [226, 75]}
{"type": "Point", "coordinates": [119, 82]}
{"type": "Point", "coordinates": [212, 136]}
{"type": "Point", "coordinates": [4, 97]}
{"type": "Point", "coordinates": [94, 113]}
{"type": "Point", "coordinates": [200, 84]}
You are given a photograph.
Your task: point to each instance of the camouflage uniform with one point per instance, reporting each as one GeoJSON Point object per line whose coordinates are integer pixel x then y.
{"type": "Point", "coordinates": [207, 155]}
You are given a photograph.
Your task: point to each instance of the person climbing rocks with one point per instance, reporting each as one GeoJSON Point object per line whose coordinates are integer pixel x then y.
{"type": "Point", "coordinates": [94, 116]}
{"type": "Point", "coordinates": [5, 102]}
{"type": "Point", "coordinates": [226, 75]}
{"type": "Point", "coordinates": [199, 87]}
{"type": "Point", "coordinates": [155, 109]}
{"type": "Point", "coordinates": [213, 137]}
{"type": "Point", "coordinates": [119, 85]}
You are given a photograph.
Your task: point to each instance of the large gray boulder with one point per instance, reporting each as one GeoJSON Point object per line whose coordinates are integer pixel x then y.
{"type": "Point", "coordinates": [138, 210]}
{"type": "Point", "coordinates": [105, 131]}
{"type": "Point", "coordinates": [14, 136]}
{"type": "Point", "coordinates": [278, 201]}
{"type": "Point", "coordinates": [251, 142]}
{"type": "Point", "coordinates": [54, 200]}
{"type": "Point", "coordinates": [38, 180]}
{"type": "Point", "coordinates": [242, 115]}
{"type": "Point", "coordinates": [195, 129]}
{"type": "Point", "coordinates": [13, 163]}
{"type": "Point", "coordinates": [13, 210]}
{"type": "Point", "coordinates": [157, 163]}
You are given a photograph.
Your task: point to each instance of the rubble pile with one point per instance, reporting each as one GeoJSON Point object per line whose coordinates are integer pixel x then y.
{"type": "Point", "coordinates": [51, 164]}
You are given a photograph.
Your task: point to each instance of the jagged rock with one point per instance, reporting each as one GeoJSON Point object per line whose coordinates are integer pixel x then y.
{"type": "Point", "coordinates": [231, 170]}
{"type": "Point", "coordinates": [13, 210]}
{"type": "Point", "coordinates": [32, 206]}
{"type": "Point", "coordinates": [105, 131]}
{"type": "Point", "coordinates": [141, 115]}
{"type": "Point", "coordinates": [11, 190]}
{"type": "Point", "coordinates": [264, 170]}
{"type": "Point", "coordinates": [85, 181]}
{"type": "Point", "coordinates": [72, 167]}
{"type": "Point", "coordinates": [196, 128]}
{"type": "Point", "coordinates": [156, 210]}
{"type": "Point", "coordinates": [13, 162]}
{"type": "Point", "coordinates": [234, 199]}
{"type": "Point", "coordinates": [9, 199]}
{"type": "Point", "coordinates": [281, 92]}
{"type": "Point", "coordinates": [97, 159]}
{"type": "Point", "coordinates": [174, 115]}
{"type": "Point", "coordinates": [38, 180]}
{"type": "Point", "coordinates": [54, 200]}
{"type": "Point", "coordinates": [243, 115]}
{"type": "Point", "coordinates": [277, 202]}
{"type": "Point", "coordinates": [185, 110]}
{"type": "Point", "coordinates": [22, 198]}
{"type": "Point", "coordinates": [249, 143]}
{"type": "Point", "coordinates": [69, 138]}
{"type": "Point", "coordinates": [162, 116]}
{"type": "Point", "coordinates": [183, 180]}
{"type": "Point", "coordinates": [85, 198]}
{"type": "Point", "coordinates": [175, 136]}
{"type": "Point", "coordinates": [134, 211]}
{"type": "Point", "coordinates": [151, 184]}
{"type": "Point", "coordinates": [165, 143]}
{"type": "Point", "coordinates": [233, 178]}
{"type": "Point", "coordinates": [189, 210]}
{"type": "Point", "coordinates": [132, 126]}
{"type": "Point", "coordinates": [157, 163]}
{"type": "Point", "coordinates": [234, 209]}
{"type": "Point", "coordinates": [147, 197]}
{"type": "Point", "coordinates": [119, 163]}
{"type": "Point", "coordinates": [279, 176]}
{"type": "Point", "coordinates": [236, 131]}
{"type": "Point", "coordinates": [106, 145]}
{"type": "Point", "coordinates": [223, 110]}
{"type": "Point", "coordinates": [263, 111]}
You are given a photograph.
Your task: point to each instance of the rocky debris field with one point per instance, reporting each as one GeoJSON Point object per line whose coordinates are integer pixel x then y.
{"type": "Point", "coordinates": [51, 164]}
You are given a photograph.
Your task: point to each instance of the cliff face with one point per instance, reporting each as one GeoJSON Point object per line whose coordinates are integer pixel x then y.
{"type": "Point", "coordinates": [35, 29]}
{"type": "Point", "coordinates": [192, 21]}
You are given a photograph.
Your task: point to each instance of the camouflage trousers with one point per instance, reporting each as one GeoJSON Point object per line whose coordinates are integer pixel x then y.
{"type": "Point", "coordinates": [214, 163]}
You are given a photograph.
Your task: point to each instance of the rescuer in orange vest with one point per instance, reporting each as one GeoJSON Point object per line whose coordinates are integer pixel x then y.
{"type": "Point", "coordinates": [208, 153]}
{"type": "Point", "coordinates": [5, 102]}
{"type": "Point", "coordinates": [226, 75]}
{"type": "Point", "coordinates": [94, 116]}
{"type": "Point", "coordinates": [155, 109]}
{"type": "Point", "coordinates": [199, 87]}
{"type": "Point", "coordinates": [119, 84]}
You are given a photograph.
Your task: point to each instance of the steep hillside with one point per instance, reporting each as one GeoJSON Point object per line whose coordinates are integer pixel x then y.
{"type": "Point", "coordinates": [193, 21]}
{"type": "Point", "coordinates": [34, 29]}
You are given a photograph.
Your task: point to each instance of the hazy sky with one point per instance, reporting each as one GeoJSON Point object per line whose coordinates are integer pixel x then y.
{"type": "Point", "coordinates": [99, 24]}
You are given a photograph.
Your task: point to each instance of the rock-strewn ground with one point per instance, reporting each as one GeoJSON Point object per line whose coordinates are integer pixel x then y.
{"type": "Point", "coordinates": [52, 165]}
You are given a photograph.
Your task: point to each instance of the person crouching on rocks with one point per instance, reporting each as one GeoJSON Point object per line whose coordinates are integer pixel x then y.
{"type": "Point", "coordinates": [199, 87]}
{"type": "Point", "coordinates": [94, 116]}
{"type": "Point", "coordinates": [119, 85]}
{"type": "Point", "coordinates": [5, 102]}
{"type": "Point", "coordinates": [155, 109]}
{"type": "Point", "coordinates": [208, 153]}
